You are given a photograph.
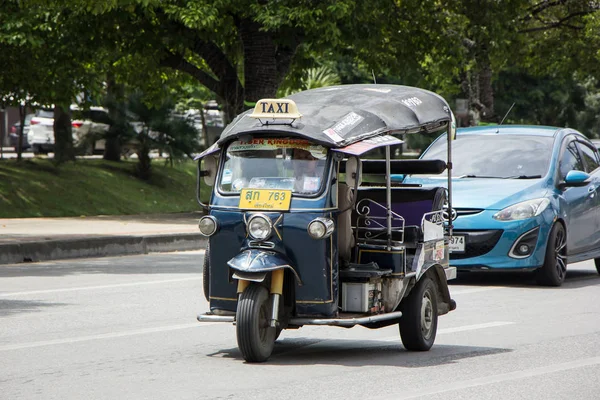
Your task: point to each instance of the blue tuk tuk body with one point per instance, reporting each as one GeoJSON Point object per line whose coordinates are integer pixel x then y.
{"type": "Point", "coordinates": [330, 250]}
{"type": "Point", "coordinates": [315, 261]}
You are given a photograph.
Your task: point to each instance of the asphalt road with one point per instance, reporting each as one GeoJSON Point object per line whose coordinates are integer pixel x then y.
{"type": "Point", "coordinates": [124, 328]}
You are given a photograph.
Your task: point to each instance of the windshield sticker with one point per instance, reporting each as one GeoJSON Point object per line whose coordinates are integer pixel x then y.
{"type": "Point", "coordinates": [311, 184]}
{"type": "Point", "coordinates": [237, 185]}
{"type": "Point", "coordinates": [340, 129]}
{"type": "Point", "coordinates": [273, 144]}
{"type": "Point", "coordinates": [316, 150]}
{"type": "Point", "coordinates": [226, 179]}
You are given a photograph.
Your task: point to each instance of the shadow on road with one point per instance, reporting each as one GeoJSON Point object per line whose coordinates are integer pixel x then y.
{"type": "Point", "coordinates": [360, 353]}
{"type": "Point", "coordinates": [173, 263]}
{"type": "Point", "coordinates": [576, 278]}
{"type": "Point", "coordinates": [11, 307]}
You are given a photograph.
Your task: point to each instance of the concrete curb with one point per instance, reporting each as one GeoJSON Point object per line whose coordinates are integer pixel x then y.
{"type": "Point", "coordinates": [101, 246]}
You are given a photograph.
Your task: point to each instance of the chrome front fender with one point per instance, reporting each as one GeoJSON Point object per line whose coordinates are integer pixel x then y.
{"type": "Point", "coordinates": [257, 262]}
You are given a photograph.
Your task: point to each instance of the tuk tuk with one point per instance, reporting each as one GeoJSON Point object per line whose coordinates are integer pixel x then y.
{"type": "Point", "coordinates": [298, 236]}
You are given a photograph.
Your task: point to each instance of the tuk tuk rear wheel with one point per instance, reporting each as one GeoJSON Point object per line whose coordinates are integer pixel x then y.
{"type": "Point", "coordinates": [255, 336]}
{"type": "Point", "coordinates": [418, 324]}
{"type": "Point", "coordinates": [206, 273]}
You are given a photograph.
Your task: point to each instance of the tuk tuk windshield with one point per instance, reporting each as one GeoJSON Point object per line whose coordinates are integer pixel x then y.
{"type": "Point", "coordinates": [268, 163]}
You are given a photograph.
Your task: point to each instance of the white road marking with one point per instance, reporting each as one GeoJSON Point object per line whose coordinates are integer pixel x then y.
{"type": "Point", "coordinates": [474, 327]}
{"type": "Point", "coordinates": [104, 336]}
{"type": "Point", "coordinates": [32, 292]}
{"type": "Point", "coordinates": [488, 380]}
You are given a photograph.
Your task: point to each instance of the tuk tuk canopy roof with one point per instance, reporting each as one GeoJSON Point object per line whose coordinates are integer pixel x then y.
{"type": "Point", "coordinates": [337, 116]}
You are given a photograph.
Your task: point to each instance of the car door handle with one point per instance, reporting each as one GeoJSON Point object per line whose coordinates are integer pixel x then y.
{"type": "Point", "coordinates": [591, 189]}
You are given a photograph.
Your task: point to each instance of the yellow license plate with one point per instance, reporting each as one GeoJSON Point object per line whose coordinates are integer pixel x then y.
{"type": "Point", "coordinates": [265, 199]}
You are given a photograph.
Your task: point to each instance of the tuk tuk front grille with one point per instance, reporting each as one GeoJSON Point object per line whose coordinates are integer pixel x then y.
{"type": "Point", "coordinates": [477, 243]}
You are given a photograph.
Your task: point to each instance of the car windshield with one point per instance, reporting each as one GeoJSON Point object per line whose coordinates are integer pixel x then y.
{"type": "Point", "coordinates": [495, 156]}
{"type": "Point", "coordinates": [270, 163]}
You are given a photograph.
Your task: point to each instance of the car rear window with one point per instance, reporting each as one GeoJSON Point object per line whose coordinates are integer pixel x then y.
{"type": "Point", "coordinates": [45, 113]}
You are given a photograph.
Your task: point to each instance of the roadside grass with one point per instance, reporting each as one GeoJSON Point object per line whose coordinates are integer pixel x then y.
{"type": "Point", "coordinates": [37, 188]}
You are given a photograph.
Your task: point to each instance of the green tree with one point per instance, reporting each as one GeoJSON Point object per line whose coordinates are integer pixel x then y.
{"type": "Point", "coordinates": [310, 79]}
{"type": "Point", "coordinates": [544, 37]}
{"type": "Point", "coordinates": [157, 128]}
{"type": "Point", "coordinates": [48, 62]}
{"type": "Point", "coordinates": [239, 50]}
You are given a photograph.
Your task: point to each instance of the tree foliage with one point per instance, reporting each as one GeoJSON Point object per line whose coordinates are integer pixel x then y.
{"type": "Point", "coordinates": [244, 50]}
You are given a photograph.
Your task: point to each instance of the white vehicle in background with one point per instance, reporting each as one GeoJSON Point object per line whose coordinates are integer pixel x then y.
{"type": "Point", "coordinates": [41, 131]}
{"type": "Point", "coordinates": [88, 131]}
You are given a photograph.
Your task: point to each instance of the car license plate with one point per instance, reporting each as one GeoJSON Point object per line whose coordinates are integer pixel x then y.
{"type": "Point", "coordinates": [457, 244]}
{"type": "Point", "coordinates": [265, 199]}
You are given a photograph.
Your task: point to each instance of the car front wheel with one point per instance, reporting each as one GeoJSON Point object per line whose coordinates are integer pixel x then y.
{"type": "Point", "coordinates": [554, 270]}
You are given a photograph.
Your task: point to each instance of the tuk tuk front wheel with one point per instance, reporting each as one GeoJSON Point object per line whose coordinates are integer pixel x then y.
{"type": "Point", "coordinates": [418, 324]}
{"type": "Point", "coordinates": [255, 336]}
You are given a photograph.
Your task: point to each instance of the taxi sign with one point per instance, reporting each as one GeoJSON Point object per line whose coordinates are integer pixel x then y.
{"type": "Point", "coordinates": [276, 109]}
{"type": "Point", "coordinates": [265, 199]}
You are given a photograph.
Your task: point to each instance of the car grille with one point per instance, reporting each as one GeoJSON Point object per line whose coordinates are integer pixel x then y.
{"type": "Point", "coordinates": [478, 243]}
{"type": "Point", "coordinates": [467, 211]}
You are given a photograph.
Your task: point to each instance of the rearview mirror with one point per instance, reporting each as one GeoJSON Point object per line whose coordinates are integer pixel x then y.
{"type": "Point", "coordinates": [208, 170]}
{"type": "Point", "coordinates": [353, 172]}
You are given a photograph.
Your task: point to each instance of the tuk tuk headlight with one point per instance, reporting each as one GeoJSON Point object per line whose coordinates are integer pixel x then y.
{"type": "Point", "coordinates": [259, 227]}
{"type": "Point", "coordinates": [320, 228]}
{"type": "Point", "coordinates": [207, 225]}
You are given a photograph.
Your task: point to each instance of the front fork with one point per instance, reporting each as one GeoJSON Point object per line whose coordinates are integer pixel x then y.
{"type": "Point", "coordinates": [276, 293]}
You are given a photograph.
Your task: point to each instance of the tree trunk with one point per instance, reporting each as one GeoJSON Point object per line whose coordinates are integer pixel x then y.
{"type": "Point", "coordinates": [22, 112]}
{"type": "Point", "coordinates": [204, 127]}
{"type": "Point", "coordinates": [143, 167]}
{"type": "Point", "coordinates": [486, 92]}
{"type": "Point", "coordinates": [63, 135]}
{"type": "Point", "coordinates": [260, 63]}
{"type": "Point", "coordinates": [266, 62]}
{"type": "Point", "coordinates": [114, 135]}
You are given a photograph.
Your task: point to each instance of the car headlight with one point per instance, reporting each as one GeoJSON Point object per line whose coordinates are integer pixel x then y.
{"type": "Point", "coordinates": [207, 225]}
{"type": "Point", "coordinates": [320, 228]}
{"type": "Point", "coordinates": [523, 210]}
{"type": "Point", "coordinates": [259, 227]}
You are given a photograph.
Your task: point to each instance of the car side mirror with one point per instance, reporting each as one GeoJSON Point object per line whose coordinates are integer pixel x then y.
{"type": "Point", "coordinates": [575, 179]}
{"type": "Point", "coordinates": [397, 177]}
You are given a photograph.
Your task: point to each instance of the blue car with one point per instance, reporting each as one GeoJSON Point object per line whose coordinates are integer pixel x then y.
{"type": "Point", "coordinates": [524, 198]}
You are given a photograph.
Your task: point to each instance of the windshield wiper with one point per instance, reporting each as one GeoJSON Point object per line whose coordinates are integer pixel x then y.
{"type": "Point", "coordinates": [479, 176]}
{"type": "Point", "coordinates": [523, 177]}
{"type": "Point", "coordinates": [501, 177]}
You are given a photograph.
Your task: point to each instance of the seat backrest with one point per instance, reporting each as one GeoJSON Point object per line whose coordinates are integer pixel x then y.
{"type": "Point", "coordinates": [345, 237]}
{"type": "Point", "coordinates": [410, 203]}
